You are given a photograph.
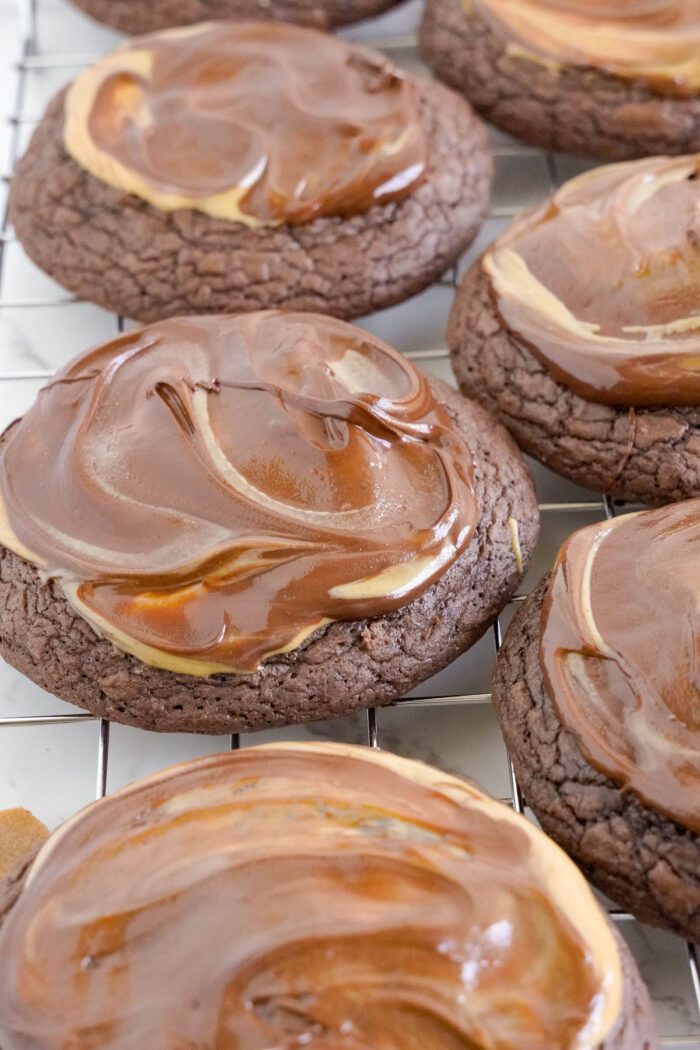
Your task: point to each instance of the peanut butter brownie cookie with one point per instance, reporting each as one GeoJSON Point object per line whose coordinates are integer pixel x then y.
{"type": "Point", "coordinates": [597, 691]}
{"type": "Point", "coordinates": [217, 524]}
{"type": "Point", "coordinates": [598, 77]}
{"type": "Point", "coordinates": [579, 327]}
{"type": "Point", "coordinates": [135, 16]}
{"type": "Point", "coordinates": [232, 167]}
{"type": "Point", "coordinates": [338, 896]}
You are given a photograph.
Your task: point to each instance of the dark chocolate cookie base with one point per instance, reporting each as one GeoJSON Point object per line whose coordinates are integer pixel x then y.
{"type": "Point", "coordinates": [647, 455]}
{"type": "Point", "coordinates": [646, 863]}
{"type": "Point", "coordinates": [574, 111]}
{"type": "Point", "coordinates": [635, 1029]}
{"type": "Point", "coordinates": [344, 667]}
{"type": "Point", "coordinates": [118, 251]}
{"type": "Point", "coordinates": [136, 16]}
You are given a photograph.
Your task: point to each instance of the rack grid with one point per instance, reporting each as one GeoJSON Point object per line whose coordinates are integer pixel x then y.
{"type": "Point", "coordinates": [29, 58]}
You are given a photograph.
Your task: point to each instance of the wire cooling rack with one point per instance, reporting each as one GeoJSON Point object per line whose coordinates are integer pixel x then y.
{"type": "Point", "coordinates": [44, 43]}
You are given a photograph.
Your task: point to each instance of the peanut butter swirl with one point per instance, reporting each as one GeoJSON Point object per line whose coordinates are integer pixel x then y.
{"type": "Point", "coordinates": [321, 896]}
{"type": "Point", "coordinates": [259, 123]}
{"type": "Point", "coordinates": [620, 651]}
{"type": "Point", "coordinates": [602, 283]}
{"type": "Point", "coordinates": [657, 41]}
{"type": "Point", "coordinates": [209, 491]}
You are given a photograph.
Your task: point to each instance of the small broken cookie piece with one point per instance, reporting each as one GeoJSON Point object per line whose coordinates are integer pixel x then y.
{"type": "Point", "coordinates": [20, 833]}
{"type": "Point", "coordinates": [605, 79]}
{"type": "Point", "coordinates": [579, 327]}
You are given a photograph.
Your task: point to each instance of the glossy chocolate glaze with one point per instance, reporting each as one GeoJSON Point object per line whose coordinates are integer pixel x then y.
{"type": "Point", "coordinates": [209, 491]}
{"type": "Point", "coordinates": [255, 122]}
{"type": "Point", "coordinates": [602, 283]}
{"type": "Point", "coordinates": [320, 896]}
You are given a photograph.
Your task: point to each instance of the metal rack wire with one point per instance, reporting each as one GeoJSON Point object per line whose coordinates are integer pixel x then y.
{"type": "Point", "coordinates": [30, 58]}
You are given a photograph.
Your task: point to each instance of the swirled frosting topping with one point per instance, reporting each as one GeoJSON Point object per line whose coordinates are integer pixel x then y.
{"type": "Point", "coordinates": [657, 41]}
{"type": "Point", "coordinates": [602, 283]}
{"type": "Point", "coordinates": [620, 651]}
{"type": "Point", "coordinates": [260, 123]}
{"type": "Point", "coordinates": [320, 896]}
{"type": "Point", "coordinates": [209, 491]}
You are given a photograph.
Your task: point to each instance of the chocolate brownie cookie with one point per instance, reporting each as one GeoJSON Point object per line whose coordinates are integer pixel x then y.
{"type": "Point", "coordinates": [596, 690]}
{"type": "Point", "coordinates": [578, 328]}
{"type": "Point", "coordinates": [338, 894]}
{"type": "Point", "coordinates": [252, 521]}
{"type": "Point", "coordinates": [578, 78]}
{"type": "Point", "coordinates": [135, 16]}
{"type": "Point", "coordinates": [307, 173]}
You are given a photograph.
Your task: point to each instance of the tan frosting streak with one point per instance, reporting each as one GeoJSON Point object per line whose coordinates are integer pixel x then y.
{"type": "Point", "coordinates": [220, 488]}
{"type": "Point", "coordinates": [653, 40]}
{"type": "Point", "coordinates": [252, 122]}
{"type": "Point", "coordinates": [337, 897]}
{"type": "Point", "coordinates": [620, 651]}
{"type": "Point", "coordinates": [601, 283]}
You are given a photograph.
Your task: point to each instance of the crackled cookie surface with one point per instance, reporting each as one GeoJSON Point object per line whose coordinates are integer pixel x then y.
{"type": "Point", "coordinates": [133, 16]}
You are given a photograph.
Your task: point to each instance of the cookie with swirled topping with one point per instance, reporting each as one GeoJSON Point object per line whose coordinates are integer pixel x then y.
{"type": "Point", "coordinates": [338, 896]}
{"type": "Point", "coordinates": [597, 691]}
{"type": "Point", "coordinates": [133, 16]}
{"type": "Point", "coordinates": [237, 166]}
{"type": "Point", "coordinates": [580, 328]}
{"type": "Point", "coordinates": [615, 79]}
{"type": "Point", "coordinates": [219, 524]}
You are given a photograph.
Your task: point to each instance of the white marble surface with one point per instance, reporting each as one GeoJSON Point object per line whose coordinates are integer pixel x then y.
{"type": "Point", "coordinates": [52, 768]}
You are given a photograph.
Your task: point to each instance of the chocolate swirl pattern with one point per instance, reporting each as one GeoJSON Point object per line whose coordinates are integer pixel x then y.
{"type": "Point", "coordinates": [254, 122]}
{"type": "Point", "coordinates": [620, 652]}
{"type": "Point", "coordinates": [657, 41]}
{"type": "Point", "coordinates": [601, 283]}
{"type": "Point", "coordinates": [209, 491]}
{"type": "Point", "coordinates": [319, 896]}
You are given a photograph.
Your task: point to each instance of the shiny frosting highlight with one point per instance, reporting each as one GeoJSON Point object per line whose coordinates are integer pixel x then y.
{"type": "Point", "coordinates": [318, 895]}
{"type": "Point", "coordinates": [657, 41]}
{"type": "Point", "coordinates": [209, 491]}
{"type": "Point", "coordinates": [260, 123]}
{"type": "Point", "coordinates": [620, 650]}
{"type": "Point", "coordinates": [602, 283]}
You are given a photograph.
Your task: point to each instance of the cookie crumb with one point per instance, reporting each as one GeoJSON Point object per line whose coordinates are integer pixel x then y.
{"type": "Point", "coordinates": [20, 832]}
